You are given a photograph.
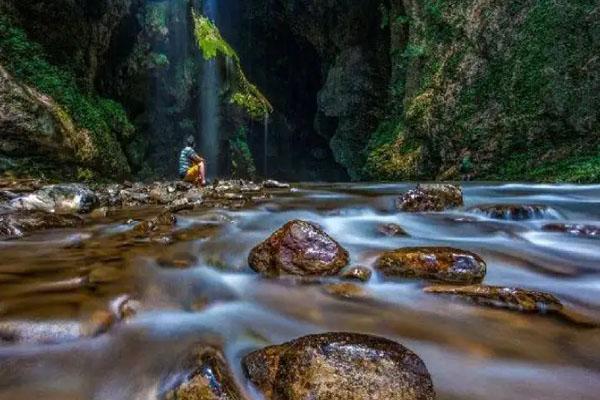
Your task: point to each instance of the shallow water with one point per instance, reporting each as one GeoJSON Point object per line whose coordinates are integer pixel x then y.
{"type": "Point", "coordinates": [58, 280]}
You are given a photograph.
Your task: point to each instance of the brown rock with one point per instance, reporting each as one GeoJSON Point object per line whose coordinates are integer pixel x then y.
{"type": "Point", "coordinates": [515, 212]}
{"type": "Point", "coordinates": [357, 273]}
{"type": "Point", "coordinates": [345, 290]}
{"type": "Point", "coordinates": [273, 184]}
{"type": "Point", "coordinates": [523, 300]}
{"type": "Point", "coordinates": [163, 220]}
{"type": "Point", "coordinates": [436, 263]}
{"type": "Point", "coordinates": [391, 230]}
{"type": "Point", "coordinates": [18, 224]}
{"type": "Point", "coordinates": [592, 231]}
{"type": "Point", "coordinates": [339, 366]}
{"type": "Point", "coordinates": [208, 378]}
{"type": "Point", "coordinates": [299, 248]}
{"type": "Point", "coordinates": [430, 197]}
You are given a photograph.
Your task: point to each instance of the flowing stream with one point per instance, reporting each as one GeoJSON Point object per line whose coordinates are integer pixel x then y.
{"type": "Point", "coordinates": [59, 279]}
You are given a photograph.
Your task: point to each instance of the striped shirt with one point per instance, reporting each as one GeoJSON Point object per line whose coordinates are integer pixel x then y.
{"type": "Point", "coordinates": [185, 160]}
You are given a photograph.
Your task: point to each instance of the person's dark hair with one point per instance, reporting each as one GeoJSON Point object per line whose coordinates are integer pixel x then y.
{"type": "Point", "coordinates": [189, 141]}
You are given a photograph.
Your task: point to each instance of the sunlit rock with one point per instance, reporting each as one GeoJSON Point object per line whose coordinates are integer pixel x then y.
{"type": "Point", "coordinates": [516, 212]}
{"type": "Point", "coordinates": [433, 263]}
{"type": "Point", "coordinates": [299, 248]}
{"type": "Point", "coordinates": [339, 366]}
{"type": "Point", "coordinates": [430, 198]}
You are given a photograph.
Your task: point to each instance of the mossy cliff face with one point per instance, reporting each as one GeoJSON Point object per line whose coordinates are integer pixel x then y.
{"type": "Point", "coordinates": [325, 67]}
{"type": "Point", "coordinates": [366, 90]}
{"type": "Point", "coordinates": [501, 90]}
{"type": "Point", "coordinates": [147, 58]}
{"type": "Point", "coordinates": [424, 89]}
{"type": "Point", "coordinates": [51, 125]}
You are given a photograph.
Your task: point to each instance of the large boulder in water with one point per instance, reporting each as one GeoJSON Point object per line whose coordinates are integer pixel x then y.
{"type": "Point", "coordinates": [339, 366]}
{"type": "Point", "coordinates": [299, 248]}
{"type": "Point", "coordinates": [18, 224]}
{"type": "Point", "coordinates": [64, 198]}
{"type": "Point", "coordinates": [516, 212]}
{"type": "Point", "coordinates": [444, 264]}
{"type": "Point", "coordinates": [430, 198]}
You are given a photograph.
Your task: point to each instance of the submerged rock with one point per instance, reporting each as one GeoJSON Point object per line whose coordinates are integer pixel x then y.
{"type": "Point", "coordinates": [391, 230]}
{"type": "Point", "coordinates": [207, 378]}
{"type": "Point", "coordinates": [516, 212]}
{"type": "Point", "coordinates": [444, 264]}
{"type": "Point", "coordinates": [357, 273]}
{"type": "Point", "coordinates": [18, 224]}
{"type": "Point", "coordinates": [346, 290]}
{"type": "Point", "coordinates": [55, 332]}
{"type": "Point", "coordinates": [298, 248]}
{"type": "Point", "coordinates": [592, 231]}
{"type": "Point", "coordinates": [431, 198]}
{"type": "Point", "coordinates": [64, 198]}
{"type": "Point", "coordinates": [339, 366]}
{"type": "Point", "coordinates": [501, 297]}
{"type": "Point", "coordinates": [163, 220]}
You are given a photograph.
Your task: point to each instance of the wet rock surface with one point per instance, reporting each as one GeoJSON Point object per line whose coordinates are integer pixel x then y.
{"type": "Point", "coordinates": [515, 299]}
{"type": "Point", "coordinates": [591, 231]}
{"type": "Point", "coordinates": [299, 248]}
{"type": "Point", "coordinates": [339, 366]}
{"type": "Point", "coordinates": [20, 197]}
{"type": "Point", "coordinates": [357, 273]}
{"type": "Point", "coordinates": [64, 198]}
{"type": "Point", "coordinates": [443, 264]}
{"type": "Point", "coordinates": [516, 212]}
{"type": "Point", "coordinates": [207, 378]}
{"type": "Point", "coordinates": [17, 224]}
{"type": "Point", "coordinates": [346, 290]}
{"type": "Point", "coordinates": [430, 198]}
{"type": "Point", "coordinates": [272, 184]}
{"type": "Point", "coordinates": [391, 230]}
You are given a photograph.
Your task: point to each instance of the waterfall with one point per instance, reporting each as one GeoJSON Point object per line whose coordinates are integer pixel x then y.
{"type": "Point", "coordinates": [266, 145]}
{"type": "Point", "coordinates": [210, 90]}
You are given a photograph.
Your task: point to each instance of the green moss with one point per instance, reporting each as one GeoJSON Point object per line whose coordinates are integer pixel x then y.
{"type": "Point", "coordinates": [242, 92]}
{"type": "Point", "coordinates": [104, 118]}
{"type": "Point", "coordinates": [505, 80]}
{"type": "Point", "coordinates": [581, 167]}
{"type": "Point", "coordinates": [159, 60]}
{"type": "Point", "coordinates": [209, 38]}
{"type": "Point", "coordinates": [242, 163]}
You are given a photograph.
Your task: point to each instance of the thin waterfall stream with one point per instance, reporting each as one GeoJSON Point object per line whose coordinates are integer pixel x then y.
{"type": "Point", "coordinates": [266, 146]}
{"type": "Point", "coordinates": [210, 104]}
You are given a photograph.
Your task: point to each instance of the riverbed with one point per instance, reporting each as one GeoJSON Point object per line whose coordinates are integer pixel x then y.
{"type": "Point", "coordinates": [60, 287]}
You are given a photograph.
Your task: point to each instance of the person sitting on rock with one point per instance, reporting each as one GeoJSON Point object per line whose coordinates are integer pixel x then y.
{"type": "Point", "coordinates": [191, 166]}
